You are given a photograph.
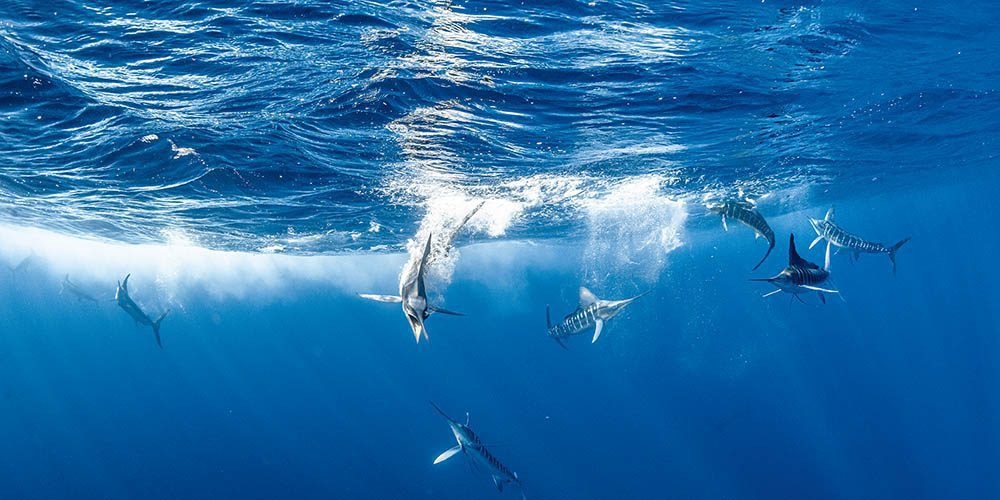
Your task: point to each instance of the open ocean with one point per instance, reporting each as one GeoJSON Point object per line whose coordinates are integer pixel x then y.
{"type": "Point", "coordinates": [253, 167]}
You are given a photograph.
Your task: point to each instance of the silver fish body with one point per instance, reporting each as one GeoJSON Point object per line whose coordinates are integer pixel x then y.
{"type": "Point", "coordinates": [471, 446]}
{"type": "Point", "coordinates": [592, 313]}
{"type": "Point", "coordinates": [745, 212]}
{"type": "Point", "coordinates": [827, 229]}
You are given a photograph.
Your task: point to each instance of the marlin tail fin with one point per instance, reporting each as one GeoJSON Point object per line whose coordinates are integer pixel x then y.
{"type": "Point", "coordinates": [768, 252]}
{"type": "Point", "coordinates": [548, 325]}
{"type": "Point", "coordinates": [892, 252]}
{"type": "Point", "coordinates": [156, 329]}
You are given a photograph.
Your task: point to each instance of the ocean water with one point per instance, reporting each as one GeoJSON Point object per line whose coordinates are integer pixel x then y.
{"type": "Point", "coordinates": [253, 166]}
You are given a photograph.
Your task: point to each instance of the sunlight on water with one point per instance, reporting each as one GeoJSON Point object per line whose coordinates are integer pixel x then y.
{"type": "Point", "coordinates": [179, 267]}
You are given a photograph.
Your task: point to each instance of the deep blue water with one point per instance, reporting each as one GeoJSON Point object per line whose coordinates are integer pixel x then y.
{"type": "Point", "coordinates": [256, 165]}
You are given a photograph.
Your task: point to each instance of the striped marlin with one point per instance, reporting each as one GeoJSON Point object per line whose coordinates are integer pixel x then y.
{"type": "Point", "coordinates": [593, 312]}
{"type": "Point", "coordinates": [470, 444]}
{"type": "Point", "coordinates": [829, 230]}
{"type": "Point", "coordinates": [801, 276]}
{"type": "Point", "coordinates": [746, 213]}
{"type": "Point", "coordinates": [133, 310]}
{"type": "Point", "coordinates": [412, 293]}
{"type": "Point", "coordinates": [413, 297]}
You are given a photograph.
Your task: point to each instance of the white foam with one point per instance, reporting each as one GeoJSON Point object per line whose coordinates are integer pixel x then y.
{"type": "Point", "coordinates": [631, 223]}
{"type": "Point", "coordinates": [630, 231]}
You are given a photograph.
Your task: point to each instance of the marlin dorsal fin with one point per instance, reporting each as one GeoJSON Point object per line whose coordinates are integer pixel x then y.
{"type": "Point", "coordinates": [793, 256]}
{"type": "Point", "coordinates": [421, 266]}
{"type": "Point", "coordinates": [587, 298]}
{"type": "Point", "coordinates": [829, 215]}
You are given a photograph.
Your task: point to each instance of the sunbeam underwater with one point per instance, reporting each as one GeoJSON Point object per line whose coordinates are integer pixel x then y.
{"type": "Point", "coordinates": [477, 249]}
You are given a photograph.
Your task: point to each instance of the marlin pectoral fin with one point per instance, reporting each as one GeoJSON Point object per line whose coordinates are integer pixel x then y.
{"type": "Point", "coordinates": [443, 311]}
{"type": "Point", "coordinates": [499, 484]}
{"type": "Point", "coordinates": [724, 225]}
{"type": "Point", "coordinates": [826, 259]}
{"type": "Point", "coordinates": [822, 298]}
{"type": "Point", "coordinates": [817, 240]}
{"type": "Point", "coordinates": [450, 452]}
{"type": "Point", "coordinates": [560, 342]}
{"type": "Point", "coordinates": [598, 326]}
{"type": "Point", "coordinates": [768, 294]}
{"type": "Point", "coordinates": [381, 298]}
{"type": "Point", "coordinates": [818, 289]}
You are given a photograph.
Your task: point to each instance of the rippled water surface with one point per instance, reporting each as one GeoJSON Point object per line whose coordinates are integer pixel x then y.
{"type": "Point", "coordinates": [317, 127]}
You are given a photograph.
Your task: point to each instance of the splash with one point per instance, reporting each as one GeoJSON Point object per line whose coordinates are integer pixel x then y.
{"type": "Point", "coordinates": [445, 218]}
{"type": "Point", "coordinates": [630, 231]}
{"type": "Point", "coordinates": [630, 223]}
